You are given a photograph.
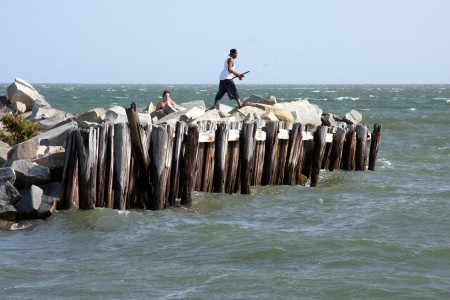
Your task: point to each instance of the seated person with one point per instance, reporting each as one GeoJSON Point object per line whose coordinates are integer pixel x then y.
{"type": "Point", "coordinates": [165, 100]}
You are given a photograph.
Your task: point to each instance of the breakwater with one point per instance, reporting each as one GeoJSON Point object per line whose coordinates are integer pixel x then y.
{"type": "Point", "coordinates": [125, 166]}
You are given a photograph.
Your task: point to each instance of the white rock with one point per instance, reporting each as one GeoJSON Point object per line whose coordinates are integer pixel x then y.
{"type": "Point", "coordinates": [22, 91]}
{"type": "Point", "coordinates": [116, 114]}
{"type": "Point", "coordinates": [304, 112]}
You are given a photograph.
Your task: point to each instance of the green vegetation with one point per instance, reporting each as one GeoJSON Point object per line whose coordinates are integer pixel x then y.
{"type": "Point", "coordinates": [16, 129]}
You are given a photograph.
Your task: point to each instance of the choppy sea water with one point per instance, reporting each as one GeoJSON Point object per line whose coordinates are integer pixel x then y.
{"type": "Point", "coordinates": [365, 235]}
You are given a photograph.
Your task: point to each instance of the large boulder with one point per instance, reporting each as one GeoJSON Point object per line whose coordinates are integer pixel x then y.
{"type": "Point", "coordinates": [48, 122]}
{"type": "Point", "coordinates": [22, 91]}
{"type": "Point", "coordinates": [29, 173]}
{"type": "Point", "coordinates": [96, 115]}
{"type": "Point", "coordinates": [18, 107]}
{"type": "Point", "coordinates": [211, 115]}
{"type": "Point", "coordinates": [192, 114]}
{"type": "Point", "coordinates": [260, 99]}
{"type": "Point", "coordinates": [56, 136]}
{"type": "Point", "coordinates": [195, 103]}
{"type": "Point", "coordinates": [34, 204]}
{"type": "Point", "coordinates": [4, 149]}
{"type": "Point", "coordinates": [157, 115]}
{"type": "Point", "coordinates": [282, 113]}
{"type": "Point", "coordinates": [328, 120]}
{"type": "Point", "coordinates": [304, 112]}
{"type": "Point", "coordinates": [7, 174]}
{"type": "Point", "coordinates": [8, 196]}
{"type": "Point", "coordinates": [116, 114]}
{"type": "Point", "coordinates": [53, 159]}
{"type": "Point", "coordinates": [353, 117]}
{"type": "Point", "coordinates": [24, 150]}
{"type": "Point", "coordinates": [186, 115]}
{"type": "Point", "coordinates": [224, 108]}
{"type": "Point", "coordinates": [169, 109]}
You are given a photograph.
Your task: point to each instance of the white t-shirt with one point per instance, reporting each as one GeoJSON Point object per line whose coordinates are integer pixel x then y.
{"type": "Point", "coordinates": [225, 74]}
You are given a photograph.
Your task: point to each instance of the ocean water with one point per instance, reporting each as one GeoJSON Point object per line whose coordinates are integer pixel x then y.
{"type": "Point", "coordinates": [364, 235]}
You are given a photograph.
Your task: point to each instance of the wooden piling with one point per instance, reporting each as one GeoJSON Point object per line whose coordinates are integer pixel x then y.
{"type": "Point", "coordinates": [220, 156]}
{"type": "Point", "coordinates": [208, 150]}
{"type": "Point", "coordinates": [259, 152]}
{"type": "Point", "coordinates": [374, 146]}
{"type": "Point", "coordinates": [319, 148]}
{"type": "Point", "coordinates": [336, 152]}
{"type": "Point", "coordinates": [190, 157]}
{"type": "Point", "coordinates": [294, 151]}
{"type": "Point", "coordinates": [361, 148]}
{"type": "Point", "coordinates": [70, 172]}
{"type": "Point", "coordinates": [109, 167]}
{"type": "Point", "coordinates": [177, 152]}
{"type": "Point", "coordinates": [123, 166]}
{"type": "Point", "coordinates": [161, 157]}
{"type": "Point", "coordinates": [271, 153]}
{"type": "Point", "coordinates": [247, 148]}
{"type": "Point", "coordinates": [232, 162]}
{"type": "Point", "coordinates": [139, 183]}
{"type": "Point", "coordinates": [87, 160]}
{"type": "Point", "coordinates": [122, 155]}
{"type": "Point", "coordinates": [348, 154]}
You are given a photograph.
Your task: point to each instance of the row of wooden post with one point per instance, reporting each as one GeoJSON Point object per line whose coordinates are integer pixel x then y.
{"type": "Point", "coordinates": [125, 166]}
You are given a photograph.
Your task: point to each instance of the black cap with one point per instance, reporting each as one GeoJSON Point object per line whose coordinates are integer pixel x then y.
{"type": "Point", "coordinates": [233, 51]}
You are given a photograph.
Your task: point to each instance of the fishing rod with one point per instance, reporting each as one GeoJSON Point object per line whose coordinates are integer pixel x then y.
{"type": "Point", "coordinates": [267, 64]}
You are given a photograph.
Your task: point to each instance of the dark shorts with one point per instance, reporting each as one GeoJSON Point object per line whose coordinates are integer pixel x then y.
{"type": "Point", "coordinates": [227, 86]}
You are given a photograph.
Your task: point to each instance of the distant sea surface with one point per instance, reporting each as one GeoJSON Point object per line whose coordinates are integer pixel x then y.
{"type": "Point", "coordinates": [364, 235]}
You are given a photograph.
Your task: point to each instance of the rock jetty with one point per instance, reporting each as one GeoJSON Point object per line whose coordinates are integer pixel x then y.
{"type": "Point", "coordinates": [31, 171]}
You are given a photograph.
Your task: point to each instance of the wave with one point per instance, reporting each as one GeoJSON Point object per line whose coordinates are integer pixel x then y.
{"type": "Point", "coordinates": [347, 98]}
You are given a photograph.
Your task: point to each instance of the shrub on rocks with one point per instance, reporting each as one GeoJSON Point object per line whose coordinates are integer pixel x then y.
{"type": "Point", "coordinates": [17, 129]}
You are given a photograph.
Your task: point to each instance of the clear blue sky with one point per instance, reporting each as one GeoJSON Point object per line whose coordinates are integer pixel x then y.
{"type": "Point", "coordinates": [179, 41]}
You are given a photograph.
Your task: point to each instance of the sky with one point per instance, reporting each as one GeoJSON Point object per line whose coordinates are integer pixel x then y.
{"type": "Point", "coordinates": [187, 42]}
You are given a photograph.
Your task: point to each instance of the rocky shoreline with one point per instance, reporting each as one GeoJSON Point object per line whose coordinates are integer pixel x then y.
{"type": "Point", "coordinates": [30, 176]}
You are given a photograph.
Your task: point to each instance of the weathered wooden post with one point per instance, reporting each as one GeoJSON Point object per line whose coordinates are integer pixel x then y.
{"type": "Point", "coordinates": [109, 166]}
{"type": "Point", "coordinates": [232, 177]}
{"type": "Point", "coordinates": [207, 150]}
{"type": "Point", "coordinates": [103, 131]}
{"type": "Point", "coordinates": [220, 156]}
{"type": "Point", "coordinates": [122, 155]}
{"type": "Point", "coordinates": [190, 157]}
{"type": "Point", "coordinates": [374, 146]}
{"type": "Point", "coordinates": [247, 148]}
{"type": "Point", "coordinates": [327, 152]}
{"type": "Point", "coordinates": [283, 145]}
{"type": "Point", "coordinates": [140, 186]}
{"type": "Point", "coordinates": [70, 173]}
{"type": "Point", "coordinates": [87, 162]}
{"type": "Point", "coordinates": [294, 151]}
{"type": "Point", "coordinates": [177, 151]}
{"type": "Point", "coordinates": [336, 152]}
{"type": "Point", "coordinates": [319, 148]}
{"type": "Point", "coordinates": [162, 143]}
{"type": "Point", "coordinates": [348, 156]}
{"type": "Point", "coordinates": [361, 148]}
{"type": "Point", "coordinates": [271, 153]}
{"type": "Point", "coordinates": [258, 157]}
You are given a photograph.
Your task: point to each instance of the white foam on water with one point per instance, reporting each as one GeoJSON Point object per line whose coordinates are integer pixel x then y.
{"type": "Point", "coordinates": [412, 109]}
{"type": "Point", "coordinates": [347, 98]}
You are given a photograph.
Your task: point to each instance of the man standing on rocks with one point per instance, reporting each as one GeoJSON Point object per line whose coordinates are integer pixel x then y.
{"type": "Point", "coordinates": [226, 80]}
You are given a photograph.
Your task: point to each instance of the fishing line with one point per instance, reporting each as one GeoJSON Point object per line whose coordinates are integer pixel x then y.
{"type": "Point", "coordinates": [270, 63]}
